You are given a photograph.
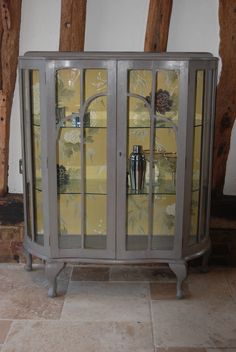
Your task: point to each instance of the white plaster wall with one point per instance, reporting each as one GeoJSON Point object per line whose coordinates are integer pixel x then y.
{"type": "Point", "coordinates": [116, 25]}
{"type": "Point", "coordinates": [194, 26]}
{"type": "Point", "coordinates": [111, 25]}
{"type": "Point", "coordinates": [40, 24]}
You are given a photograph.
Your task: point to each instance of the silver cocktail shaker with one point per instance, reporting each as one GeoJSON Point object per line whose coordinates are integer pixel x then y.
{"type": "Point", "coordinates": [137, 169]}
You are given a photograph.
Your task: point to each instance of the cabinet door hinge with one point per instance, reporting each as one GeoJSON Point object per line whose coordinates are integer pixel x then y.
{"type": "Point", "coordinates": [20, 166]}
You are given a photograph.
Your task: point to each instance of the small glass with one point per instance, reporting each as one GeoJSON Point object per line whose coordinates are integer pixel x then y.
{"type": "Point", "coordinates": [164, 169]}
{"type": "Point", "coordinates": [171, 160]}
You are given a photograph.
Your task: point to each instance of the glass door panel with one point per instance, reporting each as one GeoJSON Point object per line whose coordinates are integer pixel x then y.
{"type": "Point", "coordinates": [82, 157]}
{"type": "Point", "coordinates": [36, 187]}
{"type": "Point", "coordinates": [152, 123]}
{"type": "Point", "coordinates": [138, 141]}
{"type": "Point", "coordinates": [68, 96]}
{"type": "Point", "coordinates": [95, 159]}
{"type": "Point", "coordinates": [197, 155]}
{"type": "Point", "coordinates": [164, 162]}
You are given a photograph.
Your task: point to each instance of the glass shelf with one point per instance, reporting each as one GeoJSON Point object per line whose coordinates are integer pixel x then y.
{"type": "Point", "coordinates": [164, 187]}
{"type": "Point", "coordinates": [97, 187]}
{"type": "Point", "coordinates": [92, 123]}
{"type": "Point", "coordinates": [87, 127]}
{"type": "Point", "coordinates": [158, 124]}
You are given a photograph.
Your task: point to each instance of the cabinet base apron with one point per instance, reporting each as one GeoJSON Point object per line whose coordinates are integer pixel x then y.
{"type": "Point", "coordinates": [53, 268]}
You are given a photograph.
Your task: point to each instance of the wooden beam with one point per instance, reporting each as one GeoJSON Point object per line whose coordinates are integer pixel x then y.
{"type": "Point", "coordinates": [3, 144]}
{"type": "Point", "coordinates": [158, 22]}
{"type": "Point", "coordinates": [226, 94]}
{"type": "Point", "coordinates": [10, 15]}
{"type": "Point", "coordinates": [72, 32]}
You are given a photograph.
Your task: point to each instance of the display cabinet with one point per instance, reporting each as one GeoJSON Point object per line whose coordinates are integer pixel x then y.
{"type": "Point", "coordinates": [117, 158]}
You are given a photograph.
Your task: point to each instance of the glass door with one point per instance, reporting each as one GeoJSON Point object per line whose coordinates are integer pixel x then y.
{"type": "Point", "coordinates": [84, 151]}
{"type": "Point", "coordinates": [33, 127]}
{"type": "Point", "coordinates": [148, 105]}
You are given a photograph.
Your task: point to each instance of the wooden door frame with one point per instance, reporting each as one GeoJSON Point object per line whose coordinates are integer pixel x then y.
{"type": "Point", "coordinates": [10, 18]}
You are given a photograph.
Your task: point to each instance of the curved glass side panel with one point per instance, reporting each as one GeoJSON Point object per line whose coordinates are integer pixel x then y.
{"type": "Point", "coordinates": [197, 156]}
{"type": "Point", "coordinates": [35, 128]}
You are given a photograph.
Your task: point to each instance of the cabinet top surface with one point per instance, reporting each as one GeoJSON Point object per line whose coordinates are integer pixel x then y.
{"type": "Point", "coordinates": [117, 55]}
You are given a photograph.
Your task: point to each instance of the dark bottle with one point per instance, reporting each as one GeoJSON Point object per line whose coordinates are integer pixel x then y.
{"type": "Point", "coordinates": [137, 169]}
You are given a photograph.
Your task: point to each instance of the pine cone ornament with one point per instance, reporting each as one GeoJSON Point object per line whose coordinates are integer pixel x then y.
{"type": "Point", "coordinates": [163, 103]}
{"type": "Point", "coordinates": [62, 175]}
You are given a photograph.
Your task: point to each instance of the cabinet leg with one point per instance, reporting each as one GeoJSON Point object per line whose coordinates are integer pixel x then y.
{"type": "Point", "coordinates": [205, 261]}
{"type": "Point", "coordinates": [52, 271]}
{"type": "Point", "coordinates": [180, 270]}
{"type": "Point", "coordinates": [28, 264]}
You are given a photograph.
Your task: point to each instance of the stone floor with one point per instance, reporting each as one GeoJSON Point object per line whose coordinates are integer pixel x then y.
{"type": "Point", "coordinates": [117, 309]}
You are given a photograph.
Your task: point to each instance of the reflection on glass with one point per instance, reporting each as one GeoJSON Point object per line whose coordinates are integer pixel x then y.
{"type": "Point", "coordinates": [97, 111]}
{"type": "Point", "coordinates": [164, 210]}
{"type": "Point", "coordinates": [96, 221]}
{"type": "Point", "coordinates": [197, 151]}
{"type": "Point", "coordinates": [34, 76]}
{"type": "Point", "coordinates": [140, 82]}
{"type": "Point", "coordinates": [69, 160]}
{"type": "Point", "coordinates": [139, 115]}
{"type": "Point", "coordinates": [67, 97]}
{"type": "Point", "coordinates": [95, 160]}
{"type": "Point", "coordinates": [69, 219]}
{"type": "Point", "coordinates": [95, 83]}
{"type": "Point", "coordinates": [68, 153]}
{"type": "Point", "coordinates": [139, 122]}
{"type": "Point", "coordinates": [137, 222]}
{"type": "Point", "coordinates": [95, 149]}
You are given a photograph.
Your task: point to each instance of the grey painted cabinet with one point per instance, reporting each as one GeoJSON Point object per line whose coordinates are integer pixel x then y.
{"type": "Point", "coordinates": [88, 197]}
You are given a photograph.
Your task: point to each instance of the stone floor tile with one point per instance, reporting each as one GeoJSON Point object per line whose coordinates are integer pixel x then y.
{"type": "Point", "coordinates": [23, 295]}
{"type": "Point", "coordinates": [64, 336]}
{"type": "Point", "coordinates": [141, 273]}
{"type": "Point", "coordinates": [210, 286]}
{"type": "Point", "coordinates": [192, 324]}
{"type": "Point", "coordinates": [107, 301]}
{"type": "Point", "coordinates": [90, 273]}
{"type": "Point", "coordinates": [166, 290]}
{"type": "Point", "coordinates": [180, 349]}
{"type": "Point", "coordinates": [4, 329]}
{"type": "Point", "coordinates": [230, 275]}
{"type": "Point", "coordinates": [221, 350]}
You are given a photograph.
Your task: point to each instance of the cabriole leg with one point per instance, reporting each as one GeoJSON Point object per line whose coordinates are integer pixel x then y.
{"type": "Point", "coordinates": [205, 260]}
{"type": "Point", "coordinates": [52, 270]}
{"type": "Point", "coordinates": [180, 270]}
{"type": "Point", "coordinates": [28, 264]}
